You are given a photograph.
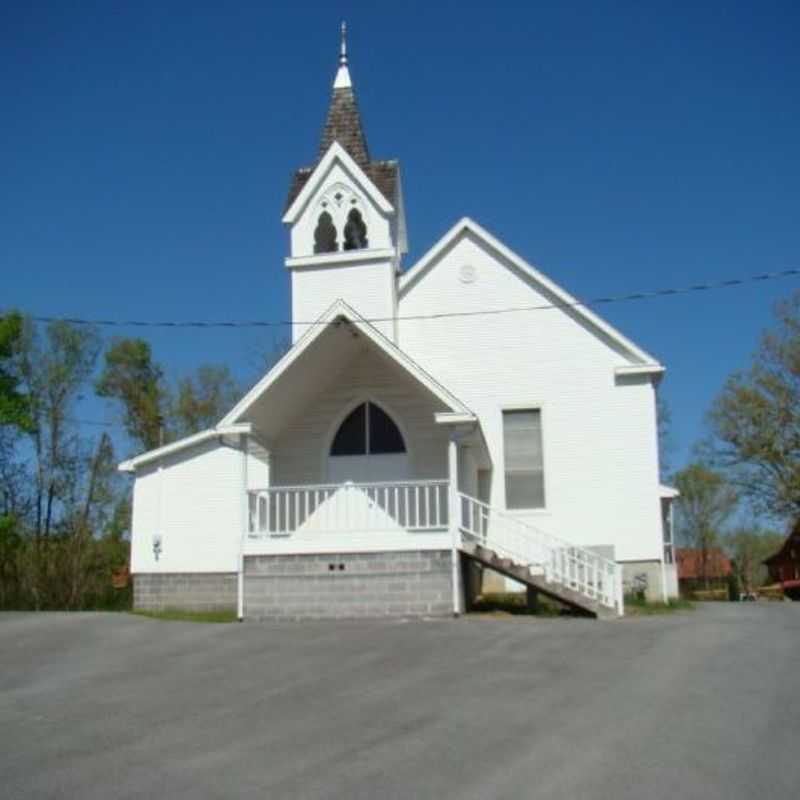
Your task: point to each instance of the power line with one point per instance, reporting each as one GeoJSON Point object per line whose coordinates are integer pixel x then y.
{"type": "Point", "coordinates": [96, 422]}
{"type": "Point", "coordinates": [621, 298]}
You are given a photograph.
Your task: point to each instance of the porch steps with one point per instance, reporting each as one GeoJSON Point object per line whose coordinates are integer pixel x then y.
{"type": "Point", "coordinates": [534, 577]}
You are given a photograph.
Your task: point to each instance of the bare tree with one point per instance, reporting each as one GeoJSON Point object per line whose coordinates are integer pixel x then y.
{"type": "Point", "coordinates": [705, 504]}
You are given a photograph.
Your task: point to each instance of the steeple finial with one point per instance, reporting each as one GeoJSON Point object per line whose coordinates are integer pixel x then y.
{"type": "Point", "coordinates": [343, 75]}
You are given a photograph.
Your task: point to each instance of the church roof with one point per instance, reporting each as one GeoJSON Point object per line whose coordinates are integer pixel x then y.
{"type": "Point", "coordinates": [343, 125]}
{"type": "Point", "coordinates": [382, 173]}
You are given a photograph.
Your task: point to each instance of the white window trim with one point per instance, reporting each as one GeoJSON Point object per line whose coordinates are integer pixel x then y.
{"type": "Point", "coordinates": [544, 510]}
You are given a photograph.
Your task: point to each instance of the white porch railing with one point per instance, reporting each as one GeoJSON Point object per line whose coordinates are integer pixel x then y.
{"type": "Point", "coordinates": [561, 562]}
{"type": "Point", "coordinates": [414, 506]}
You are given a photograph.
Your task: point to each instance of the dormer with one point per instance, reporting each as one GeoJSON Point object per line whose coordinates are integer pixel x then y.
{"type": "Point", "coordinates": [346, 220]}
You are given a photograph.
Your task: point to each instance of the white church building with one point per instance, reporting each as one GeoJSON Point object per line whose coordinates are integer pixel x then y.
{"type": "Point", "coordinates": [416, 432]}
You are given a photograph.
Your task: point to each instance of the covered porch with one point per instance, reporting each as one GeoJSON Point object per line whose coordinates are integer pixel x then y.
{"type": "Point", "coordinates": [353, 445]}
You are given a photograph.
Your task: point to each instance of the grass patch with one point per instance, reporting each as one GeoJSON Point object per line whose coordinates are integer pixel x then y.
{"type": "Point", "coordinates": [188, 616]}
{"type": "Point", "coordinates": [637, 607]}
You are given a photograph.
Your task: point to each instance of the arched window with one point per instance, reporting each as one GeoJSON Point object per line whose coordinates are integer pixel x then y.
{"type": "Point", "coordinates": [355, 231]}
{"type": "Point", "coordinates": [367, 430]}
{"type": "Point", "coordinates": [325, 234]}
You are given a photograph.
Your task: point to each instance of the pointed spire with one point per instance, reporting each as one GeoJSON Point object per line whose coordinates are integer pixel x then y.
{"type": "Point", "coordinates": [343, 123]}
{"type": "Point", "coordinates": [343, 75]}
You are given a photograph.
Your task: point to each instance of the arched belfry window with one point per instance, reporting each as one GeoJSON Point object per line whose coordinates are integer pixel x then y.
{"type": "Point", "coordinates": [325, 234]}
{"type": "Point", "coordinates": [367, 430]}
{"type": "Point", "coordinates": [355, 231]}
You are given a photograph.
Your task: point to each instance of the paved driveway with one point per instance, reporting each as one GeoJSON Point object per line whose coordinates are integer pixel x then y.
{"type": "Point", "coordinates": [697, 705]}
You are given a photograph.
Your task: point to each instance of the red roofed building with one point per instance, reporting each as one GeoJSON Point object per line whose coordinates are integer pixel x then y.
{"type": "Point", "coordinates": [697, 572]}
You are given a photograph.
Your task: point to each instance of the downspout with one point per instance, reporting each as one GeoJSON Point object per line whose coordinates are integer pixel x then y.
{"type": "Point", "coordinates": [455, 531]}
{"type": "Point", "coordinates": [245, 511]}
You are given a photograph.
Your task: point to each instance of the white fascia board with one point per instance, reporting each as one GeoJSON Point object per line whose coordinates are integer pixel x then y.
{"type": "Point", "coordinates": [653, 368]}
{"type": "Point", "coordinates": [341, 309]}
{"type": "Point", "coordinates": [402, 230]}
{"type": "Point", "coordinates": [561, 295]}
{"type": "Point", "coordinates": [335, 153]}
{"type": "Point", "coordinates": [332, 259]}
{"type": "Point", "coordinates": [454, 418]}
{"type": "Point", "coordinates": [668, 492]}
{"type": "Point", "coordinates": [182, 444]}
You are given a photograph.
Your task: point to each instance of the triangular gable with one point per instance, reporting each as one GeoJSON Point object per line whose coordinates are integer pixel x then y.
{"type": "Point", "coordinates": [338, 310]}
{"type": "Point", "coordinates": [336, 153]}
{"type": "Point", "coordinates": [556, 295]}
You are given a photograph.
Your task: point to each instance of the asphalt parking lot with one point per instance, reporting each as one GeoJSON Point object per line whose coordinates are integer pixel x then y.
{"type": "Point", "coordinates": [702, 704]}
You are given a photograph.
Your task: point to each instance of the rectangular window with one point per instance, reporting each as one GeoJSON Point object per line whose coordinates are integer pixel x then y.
{"type": "Point", "coordinates": [522, 441]}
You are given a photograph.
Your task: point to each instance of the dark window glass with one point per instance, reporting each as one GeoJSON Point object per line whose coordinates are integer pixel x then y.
{"type": "Point", "coordinates": [325, 234]}
{"type": "Point", "coordinates": [355, 231]}
{"type": "Point", "coordinates": [351, 438]}
{"type": "Point", "coordinates": [383, 434]}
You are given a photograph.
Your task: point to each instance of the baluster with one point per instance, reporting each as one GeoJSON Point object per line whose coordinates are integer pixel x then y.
{"type": "Point", "coordinates": [371, 515]}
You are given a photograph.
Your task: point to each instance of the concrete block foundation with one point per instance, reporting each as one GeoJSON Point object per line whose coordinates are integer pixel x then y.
{"type": "Point", "coordinates": [197, 591]}
{"type": "Point", "coordinates": [348, 585]}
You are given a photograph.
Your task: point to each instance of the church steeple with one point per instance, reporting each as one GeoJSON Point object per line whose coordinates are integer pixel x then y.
{"type": "Point", "coordinates": [343, 122]}
{"type": "Point", "coordinates": [343, 75]}
{"type": "Point", "coordinates": [347, 230]}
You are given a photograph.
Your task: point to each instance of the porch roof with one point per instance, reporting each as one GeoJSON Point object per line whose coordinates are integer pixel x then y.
{"type": "Point", "coordinates": [314, 363]}
{"type": "Point", "coordinates": [220, 431]}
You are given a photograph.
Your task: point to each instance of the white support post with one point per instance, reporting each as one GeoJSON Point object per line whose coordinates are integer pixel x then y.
{"type": "Point", "coordinates": [666, 528]}
{"type": "Point", "coordinates": [619, 587]}
{"type": "Point", "coordinates": [455, 531]}
{"type": "Point", "coordinates": [245, 506]}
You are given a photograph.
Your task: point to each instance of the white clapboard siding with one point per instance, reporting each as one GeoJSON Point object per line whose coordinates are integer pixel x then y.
{"type": "Point", "coordinates": [299, 454]}
{"type": "Point", "coordinates": [195, 503]}
{"type": "Point", "coordinates": [599, 435]}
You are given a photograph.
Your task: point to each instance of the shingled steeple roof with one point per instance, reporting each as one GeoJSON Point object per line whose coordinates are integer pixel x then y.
{"type": "Point", "coordinates": [343, 125]}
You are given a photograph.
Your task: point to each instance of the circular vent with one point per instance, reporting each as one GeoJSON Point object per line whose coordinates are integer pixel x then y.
{"type": "Point", "coordinates": [467, 274]}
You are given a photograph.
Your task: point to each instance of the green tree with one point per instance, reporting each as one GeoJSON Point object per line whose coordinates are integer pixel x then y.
{"type": "Point", "coordinates": [54, 367]}
{"type": "Point", "coordinates": [131, 377]}
{"type": "Point", "coordinates": [705, 504]}
{"type": "Point", "coordinates": [747, 547]}
{"type": "Point", "coordinates": [756, 420]}
{"type": "Point", "coordinates": [14, 405]}
{"type": "Point", "coordinates": [203, 399]}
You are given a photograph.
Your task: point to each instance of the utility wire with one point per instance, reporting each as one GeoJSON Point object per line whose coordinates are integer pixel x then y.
{"type": "Point", "coordinates": [698, 287]}
{"type": "Point", "coordinates": [621, 298]}
{"type": "Point", "coordinates": [96, 422]}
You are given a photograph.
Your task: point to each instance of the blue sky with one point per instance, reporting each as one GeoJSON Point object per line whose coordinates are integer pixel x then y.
{"type": "Point", "coordinates": [146, 149]}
